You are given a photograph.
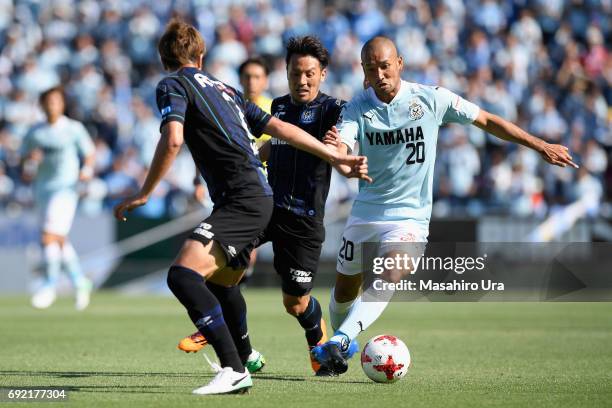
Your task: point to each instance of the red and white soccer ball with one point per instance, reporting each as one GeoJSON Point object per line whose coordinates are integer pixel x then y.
{"type": "Point", "coordinates": [385, 359]}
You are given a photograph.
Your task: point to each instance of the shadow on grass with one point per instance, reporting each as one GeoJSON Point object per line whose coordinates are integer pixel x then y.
{"type": "Point", "coordinates": [93, 374]}
{"type": "Point", "coordinates": [341, 380]}
{"type": "Point", "coordinates": [121, 389]}
{"type": "Point", "coordinates": [83, 374]}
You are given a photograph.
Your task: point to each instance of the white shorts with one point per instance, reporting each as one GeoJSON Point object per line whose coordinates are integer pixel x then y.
{"type": "Point", "coordinates": [56, 211]}
{"type": "Point", "coordinates": [388, 234]}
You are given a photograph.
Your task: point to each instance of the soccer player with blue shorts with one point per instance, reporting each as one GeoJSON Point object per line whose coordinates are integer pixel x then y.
{"type": "Point", "coordinates": [395, 125]}
{"type": "Point", "coordinates": [219, 127]}
{"type": "Point", "coordinates": [52, 152]}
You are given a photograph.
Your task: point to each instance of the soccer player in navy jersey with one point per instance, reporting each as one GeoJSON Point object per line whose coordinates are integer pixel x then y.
{"type": "Point", "coordinates": [300, 182]}
{"type": "Point", "coordinates": [219, 127]}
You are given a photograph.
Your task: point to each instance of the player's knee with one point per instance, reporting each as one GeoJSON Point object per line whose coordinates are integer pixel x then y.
{"type": "Point", "coordinates": [47, 239]}
{"type": "Point", "coordinates": [347, 287]}
{"type": "Point", "coordinates": [345, 293]}
{"type": "Point", "coordinates": [179, 277]}
{"type": "Point", "coordinates": [173, 278]}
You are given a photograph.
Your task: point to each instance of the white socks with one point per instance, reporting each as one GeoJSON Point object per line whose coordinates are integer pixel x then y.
{"type": "Point", "coordinates": [52, 255]}
{"type": "Point", "coordinates": [365, 310]}
{"type": "Point", "coordinates": [71, 264]}
{"type": "Point", "coordinates": [338, 311]}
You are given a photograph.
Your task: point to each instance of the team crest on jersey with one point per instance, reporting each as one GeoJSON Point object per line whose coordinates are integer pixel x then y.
{"type": "Point", "coordinates": [308, 116]}
{"type": "Point", "coordinates": [415, 111]}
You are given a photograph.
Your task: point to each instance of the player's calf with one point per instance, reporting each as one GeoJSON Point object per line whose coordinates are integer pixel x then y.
{"type": "Point", "coordinates": [204, 310]}
{"type": "Point", "coordinates": [307, 310]}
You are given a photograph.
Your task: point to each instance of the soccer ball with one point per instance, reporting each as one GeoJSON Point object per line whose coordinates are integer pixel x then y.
{"type": "Point", "coordinates": [385, 359]}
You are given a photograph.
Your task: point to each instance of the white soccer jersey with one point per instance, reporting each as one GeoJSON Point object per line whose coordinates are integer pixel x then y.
{"type": "Point", "coordinates": [399, 139]}
{"type": "Point", "coordinates": [61, 144]}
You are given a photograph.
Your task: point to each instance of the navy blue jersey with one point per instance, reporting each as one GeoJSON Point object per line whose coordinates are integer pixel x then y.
{"type": "Point", "coordinates": [220, 127]}
{"type": "Point", "coordinates": [300, 180]}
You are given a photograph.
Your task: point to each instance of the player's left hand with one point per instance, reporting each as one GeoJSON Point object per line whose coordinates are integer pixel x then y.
{"type": "Point", "coordinates": [558, 155]}
{"type": "Point", "coordinates": [128, 205]}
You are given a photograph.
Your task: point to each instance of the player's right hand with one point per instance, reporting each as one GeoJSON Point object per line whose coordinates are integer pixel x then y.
{"type": "Point", "coordinates": [128, 205]}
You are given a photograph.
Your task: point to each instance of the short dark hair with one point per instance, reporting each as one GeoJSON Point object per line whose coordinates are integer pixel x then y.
{"type": "Point", "coordinates": [180, 44]}
{"type": "Point", "coordinates": [307, 45]}
{"type": "Point", "coordinates": [257, 61]}
{"type": "Point", "coordinates": [57, 88]}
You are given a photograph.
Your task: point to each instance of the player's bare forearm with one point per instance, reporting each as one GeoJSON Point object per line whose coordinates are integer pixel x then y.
{"type": "Point", "coordinates": [505, 130]}
{"type": "Point", "coordinates": [300, 139]}
{"type": "Point", "coordinates": [304, 141]}
{"type": "Point", "coordinates": [343, 168]}
{"type": "Point", "coordinates": [168, 147]}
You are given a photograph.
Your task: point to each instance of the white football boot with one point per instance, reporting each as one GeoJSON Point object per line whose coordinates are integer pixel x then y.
{"type": "Point", "coordinates": [227, 381]}
{"type": "Point", "coordinates": [83, 294]}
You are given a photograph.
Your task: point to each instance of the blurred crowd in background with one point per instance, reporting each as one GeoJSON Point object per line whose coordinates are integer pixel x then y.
{"type": "Point", "coordinates": [543, 64]}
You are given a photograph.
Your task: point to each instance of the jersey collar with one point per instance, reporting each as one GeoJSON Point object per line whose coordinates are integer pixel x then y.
{"type": "Point", "coordinates": [59, 122]}
{"type": "Point", "coordinates": [309, 104]}
{"type": "Point", "coordinates": [404, 87]}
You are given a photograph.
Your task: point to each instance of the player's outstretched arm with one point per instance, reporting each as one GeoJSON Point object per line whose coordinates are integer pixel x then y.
{"type": "Point", "coordinates": [303, 141]}
{"type": "Point", "coordinates": [553, 153]}
{"type": "Point", "coordinates": [168, 147]}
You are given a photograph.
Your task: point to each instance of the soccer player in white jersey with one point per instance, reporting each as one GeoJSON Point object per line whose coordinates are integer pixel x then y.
{"type": "Point", "coordinates": [52, 152]}
{"type": "Point", "coordinates": [395, 125]}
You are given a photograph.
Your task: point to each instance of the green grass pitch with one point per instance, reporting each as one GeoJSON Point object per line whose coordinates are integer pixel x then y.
{"type": "Point", "coordinates": [122, 352]}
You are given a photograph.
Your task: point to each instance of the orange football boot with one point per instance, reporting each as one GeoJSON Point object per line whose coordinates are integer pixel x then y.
{"type": "Point", "coordinates": [316, 366]}
{"type": "Point", "coordinates": [193, 343]}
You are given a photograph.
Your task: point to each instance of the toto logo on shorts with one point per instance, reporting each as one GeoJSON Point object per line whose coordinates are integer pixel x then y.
{"type": "Point", "coordinates": [203, 229]}
{"type": "Point", "coordinates": [300, 276]}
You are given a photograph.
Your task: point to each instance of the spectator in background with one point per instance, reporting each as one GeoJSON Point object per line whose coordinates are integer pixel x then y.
{"type": "Point", "coordinates": [549, 124]}
{"type": "Point", "coordinates": [588, 188]}
{"type": "Point", "coordinates": [463, 164]}
{"type": "Point", "coordinates": [520, 59]}
{"type": "Point", "coordinates": [228, 50]}
{"type": "Point", "coordinates": [499, 180]}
